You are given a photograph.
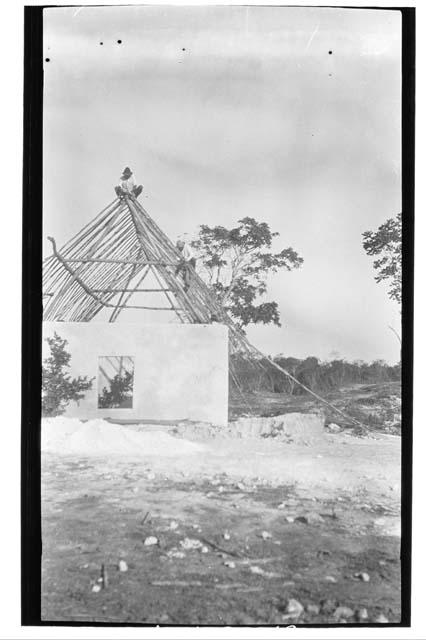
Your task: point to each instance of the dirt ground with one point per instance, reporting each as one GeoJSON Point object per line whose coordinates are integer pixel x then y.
{"type": "Point", "coordinates": [240, 530]}
{"type": "Point", "coordinates": [376, 406]}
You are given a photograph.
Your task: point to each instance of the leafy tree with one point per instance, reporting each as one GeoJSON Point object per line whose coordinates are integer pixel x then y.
{"type": "Point", "coordinates": [237, 262]}
{"type": "Point", "coordinates": [58, 388]}
{"type": "Point", "coordinates": [386, 243]}
{"type": "Point", "coordinates": [120, 393]}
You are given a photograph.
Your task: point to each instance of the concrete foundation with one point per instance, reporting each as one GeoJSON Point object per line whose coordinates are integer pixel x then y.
{"type": "Point", "coordinates": [180, 370]}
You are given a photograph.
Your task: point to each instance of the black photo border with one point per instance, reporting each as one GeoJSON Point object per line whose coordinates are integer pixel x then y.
{"type": "Point", "coordinates": [31, 540]}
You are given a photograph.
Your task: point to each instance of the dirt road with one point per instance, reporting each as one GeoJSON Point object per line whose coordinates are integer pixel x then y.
{"type": "Point", "coordinates": [240, 528]}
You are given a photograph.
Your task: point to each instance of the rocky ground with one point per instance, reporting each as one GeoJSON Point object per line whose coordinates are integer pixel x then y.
{"type": "Point", "coordinates": [376, 406]}
{"type": "Point", "coordinates": [244, 531]}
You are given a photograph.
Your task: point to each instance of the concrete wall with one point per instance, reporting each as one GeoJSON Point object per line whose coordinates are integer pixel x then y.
{"type": "Point", "coordinates": [181, 370]}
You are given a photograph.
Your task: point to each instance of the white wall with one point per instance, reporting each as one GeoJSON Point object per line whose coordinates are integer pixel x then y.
{"type": "Point", "coordinates": [181, 370]}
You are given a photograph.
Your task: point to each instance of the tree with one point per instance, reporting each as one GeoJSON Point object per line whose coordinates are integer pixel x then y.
{"type": "Point", "coordinates": [283, 384]}
{"type": "Point", "coordinates": [58, 388]}
{"type": "Point", "coordinates": [386, 243]}
{"type": "Point", "coordinates": [308, 373]}
{"type": "Point", "coordinates": [236, 264]}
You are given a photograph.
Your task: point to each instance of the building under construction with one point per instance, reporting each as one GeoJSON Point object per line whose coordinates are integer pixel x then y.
{"type": "Point", "coordinates": [173, 342]}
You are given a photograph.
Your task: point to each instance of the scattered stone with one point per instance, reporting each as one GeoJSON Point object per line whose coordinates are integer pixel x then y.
{"type": "Point", "coordinates": [333, 428]}
{"type": "Point", "coordinates": [135, 489]}
{"type": "Point", "coordinates": [96, 588]}
{"type": "Point", "coordinates": [220, 489]}
{"type": "Point", "coordinates": [382, 563]}
{"type": "Point", "coordinates": [85, 566]}
{"type": "Point", "coordinates": [204, 549]}
{"type": "Point", "coordinates": [363, 576]}
{"type": "Point", "coordinates": [266, 535]}
{"type": "Point", "coordinates": [240, 486]}
{"type": "Point", "coordinates": [343, 612]}
{"type": "Point", "coordinates": [290, 519]}
{"type": "Point", "coordinates": [293, 609]}
{"type": "Point", "coordinates": [310, 518]}
{"type": "Point", "coordinates": [330, 579]}
{"type": "Point", "coordinates": [382, 619]}
{"type": "Point", "coordinates": [150, 541]}
{"type": "Point", "coordinates": [314, 517]}
{"type": "Point", "coordinates": [313, 608]}
{"type": "Point", "coordinates": [163, 618]}
{"type": "Point", "coordinates": [196, 527]}
{"type": "Point", "coordinates": [226, 535]}
{"type": "Point", "coordinates": [257, 570]}
{"type": "Point", "coordinates": [122, 566]}
{"type": "Point", "coordinates": [327, 606]}
{"type": "Point", "coordinates": [150, 476]}
{"type": "Point", "coordinates": [176, 553]}
{"type": "Point", "coordinates": [173, 525]}
{"type": "Point", "coordinates": [191, 543]}
{"type": "Point", "coordinates": [230, 564]}
{"type": "Point", "coordinates": [282, 505]}
{"type": "Point", "coordinates": [362, 614]}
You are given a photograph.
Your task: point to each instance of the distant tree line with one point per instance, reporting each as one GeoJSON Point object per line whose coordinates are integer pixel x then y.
{"type": "Point", "coordinates": [332, 375]}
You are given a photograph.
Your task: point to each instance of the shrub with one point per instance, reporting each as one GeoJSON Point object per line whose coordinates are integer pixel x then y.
{"type": "Point", "coordinates": [58, 388]}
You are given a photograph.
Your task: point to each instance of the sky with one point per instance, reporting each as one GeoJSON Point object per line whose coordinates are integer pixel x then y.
{"type": "Point", "coordinates": [288, 115]}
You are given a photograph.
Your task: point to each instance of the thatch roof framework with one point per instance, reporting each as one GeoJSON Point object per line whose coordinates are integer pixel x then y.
{"type": "Point", "coordinates": [106, 266]}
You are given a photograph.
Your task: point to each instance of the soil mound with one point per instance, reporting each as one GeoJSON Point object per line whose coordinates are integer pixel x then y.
{"type": "Point", "coordinates": [69, 436]}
